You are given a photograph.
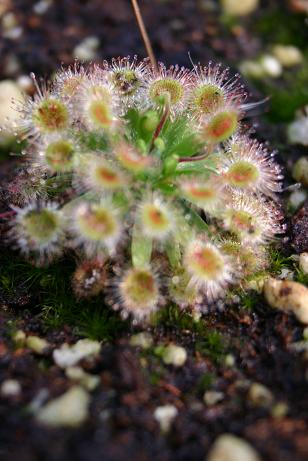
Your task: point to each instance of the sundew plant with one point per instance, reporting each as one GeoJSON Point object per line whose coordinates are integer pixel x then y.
{"type": "Point", "coordinates": [148, 175]}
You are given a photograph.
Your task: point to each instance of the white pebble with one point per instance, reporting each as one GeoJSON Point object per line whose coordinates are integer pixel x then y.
{"type": "Point", "coordinates": [300, 171]}
{"type": "Point", "coordinates": [288, 296]}
{"type": "Point", "coordinates": [36, 344]}
{"type": "Point", "coordinates": [229, 360]}
{"type": "Point", "coordinates": [297, 198]}
{"type": "Point", "coordinates": [9, 21]}
{"type": "Point", "coordinates": [271, 66]}
{"type": "Point", "coordinates": [260, 396]}
{"type": "Point", "coordinates": [174, 355]}
{"type": "Point", "coordinates": [212, 397]}
{"type": "Point", "coordinates": [252, 69]}
{"type": "Point", "coordinates": [10, 388]}
{"type": "Point", "coordinates": [86, 50]}
{"type": "Point", "coordinates": [142, 339]}
{"type": "Point", "coordinates": [67, 356]}
{"type": "Point", "coordinates": [286, 274]}
{"type": "Point", "coordinates": [239, 8]}
{"type": "Point", "coordinates": [42, 6]}
{"type": "Point", "coordinates": [165, 416]}
{"type": "Point", "coordinates": [88, 381]}
{"type": "Point", "coordinates": [287, 55]}
{"type": "Point", "coordinates": [9, 92]}
{"type": "Point", "coordinates": [68, 410]}
{"type": "Point", "coordinates": [298, 131]}
{"type": "Point", "coordinates": [228, 447]}
{"type": "Point", "coordinates": [303, 262]}
{"type": "Point", "coordinates": [19, 338]}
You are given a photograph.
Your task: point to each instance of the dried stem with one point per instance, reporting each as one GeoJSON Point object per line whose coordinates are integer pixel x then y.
{"type": "Point", "coordinates": [144, 34]}
{"type": "Point", "coordinates": [162, 122]}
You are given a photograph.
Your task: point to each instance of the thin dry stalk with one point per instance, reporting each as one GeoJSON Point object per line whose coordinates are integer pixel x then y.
{"type": "Point", "coordinates": [144, 34]}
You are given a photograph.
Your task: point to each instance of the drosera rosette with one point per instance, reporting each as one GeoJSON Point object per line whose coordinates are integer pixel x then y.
{"type": "Point", "coordinates": [96, 227]}
{"type": "Point", "coordinates": [128, 78]}
{"type": "Point", "coordinates": [168, 86]}
{"type": "Point", "coordinates": [162, 195]}
{"type": "Point", "coordinates": [136, 293]}
{"type": "Point", "coordinates": [208, 194]}
{"type": "Point", "coordinates": [100, 174]}
{"type": "Point", "coordinates": [58, 154]}
{"type": "Point", "coordinates": [211, 270]}
{"type": "Point", "coordinates": [249, 259]}
{"type": "Point", "coordinates": [67, 81]}
{"type": "Point", "coordinates": [253, 219]}
{"type": "Point", "coordinates": [213, 89]}
{"type": "Point", "coordinates": [44, 115]}
{"type": "Point", "coordinates": [248, 166]}
{"type": "Point", "coordinates": [38, 230]}
{"type": "Point", "coordinates": [98, 102]}
{"type": "Point", "coordinates": [156, 218]}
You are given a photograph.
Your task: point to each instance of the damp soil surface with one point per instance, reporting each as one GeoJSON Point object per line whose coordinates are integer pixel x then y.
{"type": "Point", "coordinates": [228, 351]}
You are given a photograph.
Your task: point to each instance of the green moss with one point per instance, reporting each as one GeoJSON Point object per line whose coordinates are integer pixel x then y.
{"type": "Point", "coordinates": [286, 95]}
{"type": "Point", "coordinates": [288, 29]}
{"type": "Point", "coordinates": [205, 382]}
{"type": "Point", "coordinates": [212, 345]}
{"type": "Point", "coordinates": [53, 300]}
{"type": "Point", "coordinates": [279, 261]}
{"type": "Point", "coordinates": [301, 277]}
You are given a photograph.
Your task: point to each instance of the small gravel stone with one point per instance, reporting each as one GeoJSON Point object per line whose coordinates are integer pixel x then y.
{"type": "Point", "coordinates": [288, 296]}
{"type": "Point", "coordinates": [165, 415]}
{"type": "Point", "coordinates": [252, 69]}
{"type": "Point", "coordinates": [271, 66]}
{"type": "Point", "coordinates": [303, 262]}
{"type": "Point", "coordinates": [285, 274]}
{"type": "Point", "coordinates": [287, 55]}
{"type": "Point", "coordinates": [19, 338]}
{"type": "Point", "coordinates": [67, 356]}
{"type": "Point", "coordinates": [9, 91]}
{"type": "Point", "coordinates": [36, 344]}
{"type": "Point", "coordinates": [142, 339]}
{"type": "Point", "coordinates": [174, 355]}
{"type": "Point", "coordinates": [228, 447]}
{"type": "Point", "coordinates": [42, 6]}
{"type": "Point", "coordinates": [88, 381]}
{"type": "Point", "coordinates": [298, 131]}
{"type": "Point", "coordinates": [10, 388]}
{"type": "Point", "coordinates": [229, 360]}
{"type": "Point", "coordinates": [297, 198]}
{"type": "Point", "coordinates": [86, 50]}
{"type": "Point", "coordinates": [260, 396]}
{"type": "Point", "coordinates": [68, 410]}
{"type": "Point", "coordinates": [239, 8]}
{"type": "Point", "coordinates": [280, 410]}
{"type": "Point", "coordinates": [213, 397]}
{"type": "Point", "coordinates": [300, 171]}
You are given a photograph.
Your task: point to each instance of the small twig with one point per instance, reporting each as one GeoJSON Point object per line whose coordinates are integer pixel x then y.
{"type": "Point", "coordinates": [144, 34]}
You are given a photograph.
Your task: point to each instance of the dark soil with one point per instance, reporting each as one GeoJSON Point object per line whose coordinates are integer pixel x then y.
{"type": "Point", "coordinates": [133, 383]}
